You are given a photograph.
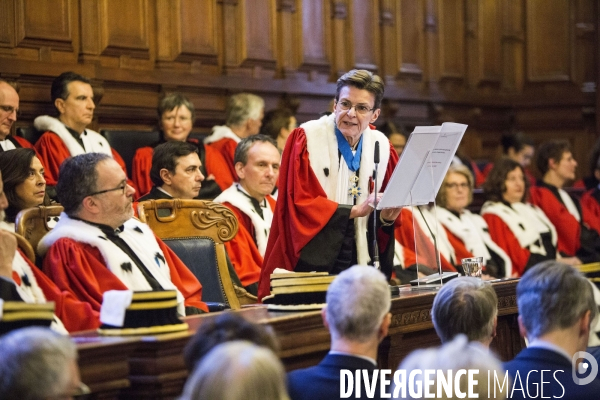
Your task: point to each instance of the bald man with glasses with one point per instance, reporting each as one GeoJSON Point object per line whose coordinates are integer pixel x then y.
{"type": "Point", "coordinates": [9, 108]}
{"type": "Point", "coordinates": [97, 245]}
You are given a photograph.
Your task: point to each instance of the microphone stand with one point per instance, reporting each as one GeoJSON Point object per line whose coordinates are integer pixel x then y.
{"type": "Point", "coordinates": [375, 247]}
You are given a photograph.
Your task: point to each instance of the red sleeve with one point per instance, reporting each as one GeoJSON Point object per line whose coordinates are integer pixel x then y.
{"type": "Point", "coordinates": [52, 152]}
{"type": "Point", "coordinates": [479, 177]}
{"type": "Point", "coordinates": [460, 250]}
{"type": "Point", "coordinates": [580, 184]}
{"type": "Point", "coordinates": [74, 314]}
{"type": "Point", "coordinates": [183, 278]}
{"type": "Point", "coordinates": [505, 238]}
{"type": "Point", "coordinates": [24, 142]}
{"type": "Point", "coordinates": [140, 170]}
{"type": "Point", "coordinates": [225, 175]}
{"type": "Point", "coordinates": [591, 210]}
{"type": "Point", "coordinates": [567, 227]}
{"type": "Point", "coordinates": [216, 165]}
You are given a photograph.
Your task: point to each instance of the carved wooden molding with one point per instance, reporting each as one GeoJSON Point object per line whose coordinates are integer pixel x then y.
{"type": "Point", "coordinates": [339, 10]}
{"type": "Point", "coordinates": [386, 17]}
{"type": "Point", "coordinates": [286, 6]}
{"type": "Point", "coordinates": [216, 215]}
{"type": "Point", "coordinates": [507, 302]}
{"type": "Point", "coordinates": [228, 2]}
{"type": "Point", "coordinates": [411, 318]}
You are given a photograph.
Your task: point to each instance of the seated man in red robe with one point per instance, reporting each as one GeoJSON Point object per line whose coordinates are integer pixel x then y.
{"type": "Point", "coordinates": [67, 136]}
{"type": "Point", "coordinates": [257, 162]}
{"type": "Point", "coordinates": [243, 118]}
{"type": "Point", "coordinates": [97, 246]}
{"type": "Point", "coordinates": [20, 280]}
{"type": "Point", "coordinates": [321, 221]}
{"type": "Point", "coordinates": [576, 228]}
{"type": "Point", "coordinates": [9, 107]}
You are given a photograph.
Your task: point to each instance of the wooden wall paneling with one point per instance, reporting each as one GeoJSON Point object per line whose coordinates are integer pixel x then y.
{"type": "Point", "coordinates": [388, 60]}
{"type": "Point", "coordinates": [451, 39]}
{"type": "Point", "coordinates": [342, 38]}
{"type": "Point", "coordinates": [258, 44]}
{"type": "Point", "coordinates": [187, 34]}
{"type": "Point", "coordinates": [585, 44]}
{"type": "Point", "coordinates": [365, 29]}
{"type": "Point", "coordinates": [231, 36]}
{"type": "Point", "coordinates": [288, 32]}
{"type": "Point", "coordinates": [411, 45]}
{"type": "Point", "coordinates": [48, 23]}
{"type": "Point", "coordinates": [314, 42]}
{"type": "Point", "coordinates": [431, 59]}
{"type": "Point", "coordinates": [513, 45]}
{"type": "Point", "coordinates": [548, 55]}
{"type": "Point", "coordinates": [483, 41]}
{"type": "Point", "coordinates": [7, 26]}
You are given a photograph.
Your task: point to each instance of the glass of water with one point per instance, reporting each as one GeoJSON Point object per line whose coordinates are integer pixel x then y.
{"type": "Point", "coordinates": [473, 266]}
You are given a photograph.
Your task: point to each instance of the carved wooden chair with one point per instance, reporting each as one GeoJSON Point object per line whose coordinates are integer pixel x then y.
{"type": "Point", "coordinates": [196, 230]}
{"type": "Point", "coordinates": [34, 223]}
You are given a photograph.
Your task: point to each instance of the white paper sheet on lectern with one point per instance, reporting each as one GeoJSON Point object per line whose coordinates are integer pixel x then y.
{"type": "Point", "coordinates": [422, 165]}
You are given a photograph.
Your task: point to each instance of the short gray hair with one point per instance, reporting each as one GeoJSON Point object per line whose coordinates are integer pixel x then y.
{"type": "Point", "coordinates": [357, 301]}
{"type": "Point", "coordinates": [237, 370]}
{"type": "Point", "coordinates": [243, 147]}
{"type": "Point", "coordinates": [456, 355]}
{"type": "Point", "coordinates": [242, 107]}
{"type": "Point", "coordinates": [77, 179]}
{"type": "Point", "coordinates": [465, 305]}
{"type": "Point", "coordinates": [35, 364]}
{"type": "Point", "coordinates": [553, 295]}
{"type": "Point", "coordinates": [362, 79]}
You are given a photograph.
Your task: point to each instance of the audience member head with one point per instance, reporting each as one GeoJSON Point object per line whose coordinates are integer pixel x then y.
{"type": "Point", "coordinates": [24, 183]}
{"type": "Point", "coordinates": [244, 114]}
{"type": "Point", "coordinates": [176, 115]}
{"type": "Point", "coordinates": [506, 182]}
{"type": "Point", "coordinates": [176, 169]}
{"type": "Point", "coordinates": [395, 135]}
{"type": "Point", "coordinates": [454, 355]}
{"type": "Point", "coordinates": [467, 306]}
{"type": "Point", "coordinates": [278, 124]}
{"type": "Point", "coordinates": [257, 161]}
{"type": "Point", "coordinates": [226, 327]}
{"type": "Point", "coordinates": [555, 162]}
{"type": "Point", "coordinates": [9, 108]}
{"type": "Point", "coordinates": [456, 192]}
{"type": "Point", "coordinates": [73, 98]}
{"type": "Point", "coordinates": [38, 364]}
{"type": "Point", "coordinates": [93, 187]}
{"type": "Point", "coordinates": [518, 147]}
{"type": "Point", "coordinates": [554, 297]}
{"type": "Point", "coordinates": [358, 305]}
{"type": "Point", "coordinates": [362, 79]}
{"type": "Point", "coordinates": [237, 370]}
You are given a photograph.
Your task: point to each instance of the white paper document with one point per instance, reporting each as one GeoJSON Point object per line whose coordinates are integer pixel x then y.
{"type": "Point", "coordinates": [422, 165]}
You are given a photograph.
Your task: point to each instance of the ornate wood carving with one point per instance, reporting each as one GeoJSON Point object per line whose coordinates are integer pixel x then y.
{"type": "Point", "coordinates": [339, 10]}
{"type": "Point", "coordinates": [218, 216]}
{"type": "Point", "coordinates": [286, 6]}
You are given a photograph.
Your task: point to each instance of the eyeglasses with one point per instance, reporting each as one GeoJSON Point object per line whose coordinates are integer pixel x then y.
{"type": "Point", "coordinates": [122, 187]}
{"type": "Point", "coordinates": [360, 108]}
{"type": "Point", "coordinates": [9, 109]}
{"type": "Point", "coordinates": [457, 185]}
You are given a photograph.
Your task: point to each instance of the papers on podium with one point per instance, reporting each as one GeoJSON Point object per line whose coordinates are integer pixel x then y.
{"type": "Point", "coordinates": [422, 165]}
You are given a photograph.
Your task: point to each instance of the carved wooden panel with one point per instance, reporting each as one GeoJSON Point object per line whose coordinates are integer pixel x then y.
{"type": "Point", "coordinates": [365, 27]}
{"type": "Point", "coordinates": [7, 23]}
{"type": "Point", "coordinates": [585, 43]}
{"type": "Point", "coordinates": [342, 39]}
{"type": "Point", "coordinates": [513, 38]}
{"type": "Point", "coordinates": [548, 56]}
{"type": "Point", "coordinates": [388, 57]}
{"type": "Point", "coordinates": [410, 52]}
{"type": "Point", "coordinates": [45, 23]}
{"type": "Point", "coordinates": [187, 30]}
{"type": "Point", "coordinates": [125, 27]}
{"type": "Point", "coordinates": [258, 41]}
{"type": "Point", "coordinates": [315, 35]}
{"type": "Point", "coordinates": [451, 27]}
{"type": "Point", "coordinates": [489, 32]}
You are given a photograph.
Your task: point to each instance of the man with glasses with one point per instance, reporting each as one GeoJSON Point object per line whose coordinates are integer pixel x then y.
{"type": "Point", "coordinates": [9, 108]}
{"type": "Point", "coordinates": [321, 221]}
{"type": "Point", "coordinates": [243, 117]}
{"type": "Point", "coordinates": [97, 246]}
{"type": "Point", "coordinates": [67, 136]}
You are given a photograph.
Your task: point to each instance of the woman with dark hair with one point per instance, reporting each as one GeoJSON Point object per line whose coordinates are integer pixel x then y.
{"type": "Point", "coordinates": [518, 147]}
{"type": "Point", "coordinates": [176, 116]}
{"type": "Point", "coordinates": [24, 183]}
{"type": "Point", "coordinates": [278, 124]}
{"type": "Point", "coordinates": [522, 230]}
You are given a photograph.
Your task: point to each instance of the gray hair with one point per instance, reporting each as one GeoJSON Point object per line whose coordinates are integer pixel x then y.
{"type": "Point", "coordinates": [243, 147]}
{"type": "Point", "coordinates": [242, 107]}
{"type": "Point", "coordinates": [465, 305]}
{"type": "Point", "coordinates": [172, 101]}
{"type": "Point", "coordinates": [35, 364]}
{"type": "Point", "coordinates": [237, 370]}
{"type": "Point", "coordinates": [77, 180]}
{"type": "Point", "coordinates": [456, 355]}
{"type": "Point", "coordinates": [357, 301]}
{"type": "Point", "coordinates": [552, 295]}
{"type": "Point", "coordinates": [362, 79]}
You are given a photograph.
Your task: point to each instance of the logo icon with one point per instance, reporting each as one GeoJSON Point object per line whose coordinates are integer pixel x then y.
{"type": "Point", "coordinates": [588, 365]}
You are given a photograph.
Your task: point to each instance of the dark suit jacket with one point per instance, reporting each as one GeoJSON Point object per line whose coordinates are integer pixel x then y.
{"type": "Point", "coordinates": [537, 359]}
{"type": "Point", "coordinates": [323, 381]}
{"type": "Point", "coordinates": [8, 291]}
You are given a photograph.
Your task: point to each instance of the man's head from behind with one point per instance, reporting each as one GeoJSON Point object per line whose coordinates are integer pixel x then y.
{"type": "Point", "coordinates": [466, 306]}
{"type": "Point", "coordinates": [73, 98]}
{"type": "Point", "coordinates": [244, 113]}
{"type": "Point", "coordinates": [553, 296]}
{"type": "Point", "coordinates": [176, 169]}
{"type": "Point", "coordinates": [9, 107]}
{"type": "Point", "coordinates": [257, 161]}
{"type": "Point", "coordinates": [93, 187]}
{"type": "Point", "coordinates": [38, 363]}
{"type": "Point", "coordinates": [358, 305]}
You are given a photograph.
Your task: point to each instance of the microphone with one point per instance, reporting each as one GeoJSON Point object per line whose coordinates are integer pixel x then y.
{"type": "Point", "coordinates": [375, 247]}
{"type": "Point", "coordinates": [376, 155]}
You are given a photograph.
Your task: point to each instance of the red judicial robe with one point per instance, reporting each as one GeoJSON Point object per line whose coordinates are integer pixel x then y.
{"type": "Point", "coordinates": [225, 175]}
{"type": "Point", "coordinates": [80, 269]}
{"type": "Point", "coordinates": [590, 205]}
{"type": "Point", "coordinates": [303, 208]}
